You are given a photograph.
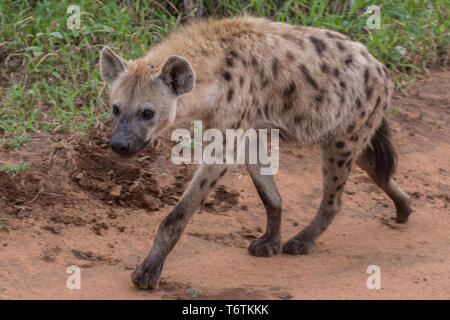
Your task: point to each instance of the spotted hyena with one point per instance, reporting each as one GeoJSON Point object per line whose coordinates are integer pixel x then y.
{"type": "Point", "coordinates": [316, 86]}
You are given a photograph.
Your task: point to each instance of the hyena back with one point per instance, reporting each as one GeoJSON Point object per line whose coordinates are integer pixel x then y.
{"type": "Point", "coordinates": [316, 86]}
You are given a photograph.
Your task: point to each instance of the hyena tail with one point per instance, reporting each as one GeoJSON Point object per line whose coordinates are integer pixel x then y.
{"type": "Point", "coordinates": [384, 155]}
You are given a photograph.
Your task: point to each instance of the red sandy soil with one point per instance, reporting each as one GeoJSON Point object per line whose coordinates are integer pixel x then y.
{"type": "Point", "coordinates": [79, 204]}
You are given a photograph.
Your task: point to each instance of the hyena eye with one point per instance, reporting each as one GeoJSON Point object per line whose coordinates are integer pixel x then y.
{"type": "Point", "coordinates": [147, 114]}
{"type": "Point", "coordinates": [115, 110]}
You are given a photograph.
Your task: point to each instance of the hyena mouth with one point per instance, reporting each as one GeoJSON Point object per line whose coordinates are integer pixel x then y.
{"type": "Point", "coordinates": [129, 152]}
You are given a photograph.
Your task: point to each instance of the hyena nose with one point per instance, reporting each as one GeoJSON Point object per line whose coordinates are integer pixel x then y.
{"type": "Point", "coordinates": [120, 145]}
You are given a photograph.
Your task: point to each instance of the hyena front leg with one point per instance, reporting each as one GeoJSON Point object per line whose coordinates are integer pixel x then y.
{"type": "Point", "coordinates": [269, 243]}
{"type": "Point", "coordinates": [336, 164]}
{"type": "Point", "coordinates": [146, 275]}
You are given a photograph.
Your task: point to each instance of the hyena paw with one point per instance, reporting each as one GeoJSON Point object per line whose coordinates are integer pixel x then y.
{"type": "Point", "coordinates": [146, 277]}
{"type": "Point", "coordinates": [403, 210]}
{"type": "Point", "coordinates": [265, 246]}
{"type": "Point", "coordinates": [296, 246]}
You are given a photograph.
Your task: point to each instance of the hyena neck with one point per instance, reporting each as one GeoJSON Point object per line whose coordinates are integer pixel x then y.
{"type": "Point", "coordinates": [196, 105]}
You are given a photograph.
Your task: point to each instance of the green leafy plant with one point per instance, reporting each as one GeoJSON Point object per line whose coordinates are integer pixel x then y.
{"type": "Point", "coordinates": [193, 293]}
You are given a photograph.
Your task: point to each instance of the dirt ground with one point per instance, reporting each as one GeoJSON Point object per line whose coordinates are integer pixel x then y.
{"type": "Point", "coordinates": [80, 204]}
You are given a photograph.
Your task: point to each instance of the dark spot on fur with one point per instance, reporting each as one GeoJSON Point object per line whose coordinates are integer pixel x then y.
{"type": "Point", "coordinates": [241, 81]}
{"type": "Point", "coordinates": [340, 46]}
{"type": "Point", "coordinates": [340, 144]}
{"type": "Point", "coordinates": [259, 113]}
{"type": "Point", "coordinates": [230, 94]}
{"type": "Point", "coordinates": [378, 102]}
{"type": "Point", "coordinates": [369, 91]}
{"type": "Point", "coordinates": [318, 44]}
{"type": "Point", "coordinates": [336, 72]}
{"type": "Point", "coordinates": [350, 128]}
{"type": "Point", "coordinates": [349, 60]}
{"type": "Point", "coordinates": [342, 84]}
{"type": "Point", "coordinates": [339, 187]}
{"type": "Point", "coordinates": [255, 102]}
{"type": "Point", "coordinates": [362, 114]}
{"type": "Point", "coordinates": [229, 61]}
{"type": "Point", "coordinates": [266, 109]}
{"type": "Point", "coordinates": [275, 66]}
{"type": "Point", "coordinates": [298, 119]}
{"type": "Point", "coordinates": [223, 172]}
{"type": "Point", "coordinates": [244, 62]}
{"type": "Point", "coordinates": [226, 75]}
{"type": "Point", "coordinates": [366, 76]}
{"type": "Point", "coordinates": [358, 103]}
{"type": "Point", "coordinates": [335, 178]}
{"type": "Point", "coordinates": [290, 56]}
{"type": "Point", "coordinates": [346, 154]}
{"type": "Point", "coordinates": [202, 183]}
{"type": "Point", "coordinates": [254, 62]}
{"type": "Point", "coordinates": [213, 183]}
{"type": "Point", "coordinates": [252, 87]}
{"type": "Point", "coordinates": [324, 68]}
{"type": "Point", "coordinates": [234, 54]}
{"type": "Point", "coordinates": [340, 163]}
{"type": "Point", "coordinates": [308, 77]}
{"type": "Point", "coordinates": [331, 160]}
{"type": "Point", "coordinates": [289, 90]}
{"type": "Point", "coordinates": [354, 138]}
{"type": "Point", "coordinates": [380, 72]}
{"type": "Point", "coordinates": [348, 164]}
{"type": "Point", "coordinates": [330, 202]}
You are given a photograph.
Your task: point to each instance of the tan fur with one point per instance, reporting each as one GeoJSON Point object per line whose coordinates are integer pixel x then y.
{"type": "Point", "coordinates": [207, 45]}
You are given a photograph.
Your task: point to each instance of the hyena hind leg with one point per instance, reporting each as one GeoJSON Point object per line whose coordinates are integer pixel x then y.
{"type": "Point", "coordinates": [337, 159]}
{"type": "Point", "coordinates": [379, 161]}
{"type": "Point", "coordinates": [269, 243]}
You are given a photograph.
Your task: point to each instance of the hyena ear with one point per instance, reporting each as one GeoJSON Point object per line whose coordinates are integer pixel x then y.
{"type": "Point", "coordinates": [111, 65]}
{"type": "Point", "coordinates": [178, 75]}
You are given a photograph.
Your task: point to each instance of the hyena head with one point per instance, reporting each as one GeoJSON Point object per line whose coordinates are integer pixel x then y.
{"type": "Point", "coordinates": [143, 98]}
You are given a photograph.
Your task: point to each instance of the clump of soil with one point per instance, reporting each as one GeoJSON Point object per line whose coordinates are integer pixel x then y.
{"type": "Point", "coordinates": [127, 182]}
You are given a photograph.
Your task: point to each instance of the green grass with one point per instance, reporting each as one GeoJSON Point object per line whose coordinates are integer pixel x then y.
{"type": "Point", "coordinates": [14, 168]}
{"type": "Point", "coordinates": [194, 293]}
{"type": "Point", "coordinates": [394, 110]}
{"type": "Point", "coordinates": [50, 81]}
{"type": "Point", "coordinates": [3, 225]}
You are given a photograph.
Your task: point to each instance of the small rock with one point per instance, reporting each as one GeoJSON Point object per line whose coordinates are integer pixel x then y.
{"type": "Point", "coordinates": [52, 229]}
{"type": "Point", "coordinates": [115, 191]}
{"type": "Point", "coordinates": [285, 295]}
{"type": "Point", "coordinates": [112, 215]}
{"type": "Point", "coordinates": [178, 184]}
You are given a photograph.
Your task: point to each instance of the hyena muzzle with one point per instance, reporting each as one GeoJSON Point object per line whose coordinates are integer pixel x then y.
{"type": "Point", "coordinates": [316, 86]}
